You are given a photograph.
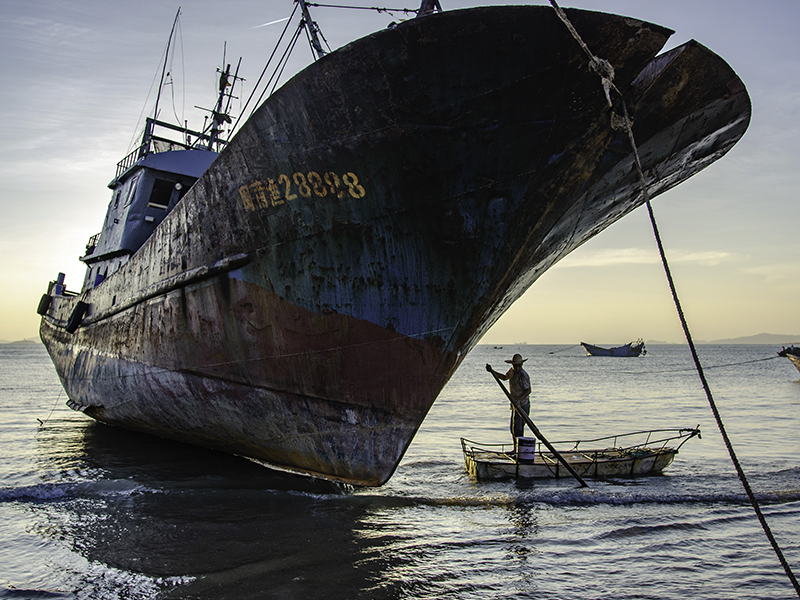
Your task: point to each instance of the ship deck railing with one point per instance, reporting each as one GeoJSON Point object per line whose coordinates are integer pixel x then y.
{"type": "Point", "coordinates": [152, 143]}
{"type": "Point", "coordinates": [92, 244]}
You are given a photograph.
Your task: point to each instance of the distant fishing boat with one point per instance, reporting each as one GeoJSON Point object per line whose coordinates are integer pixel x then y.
{"type": "Point", "coordinates": [793, 354]}
{"type": "Point", "coordinates": [627, 455]}
{"type": "Point", "coordinates": [631, 349]}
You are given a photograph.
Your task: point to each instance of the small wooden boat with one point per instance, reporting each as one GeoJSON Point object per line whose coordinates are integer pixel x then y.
{"type": "Point", "coordinates": [793, 354]}
{"type": "Point", "coordinates": [626, 455]}
{"type": "Point", "coordinates": [632, 349]}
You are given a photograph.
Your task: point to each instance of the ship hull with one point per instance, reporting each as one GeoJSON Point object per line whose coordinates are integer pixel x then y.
{"type": "Point", "coordinates": [628, 350]}
{"type": "Point", "coordinates": [313, 292]}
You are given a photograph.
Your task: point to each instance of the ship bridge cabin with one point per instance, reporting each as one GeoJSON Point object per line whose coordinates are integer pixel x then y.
{"type": "Point", "coordinates": [150, 181]}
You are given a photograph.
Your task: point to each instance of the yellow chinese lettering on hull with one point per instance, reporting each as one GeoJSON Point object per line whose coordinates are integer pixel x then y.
{"type": "Point", "coordinates": [285, 188]}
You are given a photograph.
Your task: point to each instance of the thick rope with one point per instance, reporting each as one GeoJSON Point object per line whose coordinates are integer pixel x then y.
{"type": "Point", "coordinates": [740, 472]}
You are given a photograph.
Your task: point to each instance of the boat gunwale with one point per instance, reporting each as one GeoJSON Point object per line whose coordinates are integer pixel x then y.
{"type": "Point", "coordinates": [685, 433]}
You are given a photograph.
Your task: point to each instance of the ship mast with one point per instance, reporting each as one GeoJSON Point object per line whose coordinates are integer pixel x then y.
{"type": "Point", "coordinates": [313, 31]}
{"type": "Point", "coordinates": [144, 148]}
{"type": "Point", "coordinates": [166, 60]}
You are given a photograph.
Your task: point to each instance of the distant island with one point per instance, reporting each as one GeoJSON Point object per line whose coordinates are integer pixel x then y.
{"type": "Point", "coordinates": [25, 341]}
{"type": "Point", "coordinates": [773, 339]}
{"type": "Point", "coordinates": [761, 338]}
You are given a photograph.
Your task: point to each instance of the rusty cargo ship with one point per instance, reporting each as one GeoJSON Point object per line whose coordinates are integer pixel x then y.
{"type": "Point", "coordinates": [302, 296]}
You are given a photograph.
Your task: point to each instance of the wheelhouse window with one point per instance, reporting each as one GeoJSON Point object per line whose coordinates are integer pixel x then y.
{"type": "Point", "coordinates": [130, 188]}
{"type": "Point", "coordinates": [162, 193]}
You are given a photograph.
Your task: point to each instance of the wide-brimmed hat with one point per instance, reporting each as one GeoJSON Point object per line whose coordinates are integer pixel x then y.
{"type": "Point", "coordinates": [517, 360]}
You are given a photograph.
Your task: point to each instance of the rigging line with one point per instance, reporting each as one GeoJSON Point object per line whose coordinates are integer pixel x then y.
{"type": "Point", "coordinates": [375, 8]}
{"type": "Point", "coordinates": [563, 349]}
{"type": "Point", "coordinates": [42, 423]}
{"type": "Point", "coordinates": [276, 76]}
{"type": "Point", "coordinates": [746, 362]}
{"type": "Point", "coordinates": [178, 119]}
{"type": "Point", "coordinates": [172, 97]}
{"type": "Point", "coordinates": [166, 59]}
{"type": "Point", "coordinates": [264, 71]}
{"type": "Point", "coordinates": [171, 75]}
{"type": "Point", "coordinates": [183, 75]}
{"type": "Point", "coordinates": [607, 76]}
{"type": "Point", "coordinates": [136, 133]}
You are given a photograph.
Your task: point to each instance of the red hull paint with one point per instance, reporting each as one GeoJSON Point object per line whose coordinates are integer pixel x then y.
{"type": "Point", "coordinates": [244, 371]}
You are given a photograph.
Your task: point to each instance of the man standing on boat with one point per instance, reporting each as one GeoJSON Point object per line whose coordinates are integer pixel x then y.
{"type": "Point", "coordinates": [520, 384]}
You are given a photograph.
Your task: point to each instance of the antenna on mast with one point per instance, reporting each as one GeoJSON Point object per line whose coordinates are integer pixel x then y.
{"type": "Point", "coordinates": [219, 114]}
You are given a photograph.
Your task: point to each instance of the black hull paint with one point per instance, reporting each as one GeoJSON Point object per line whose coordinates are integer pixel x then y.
{"type": "Point", "coordinates": [390, 202]}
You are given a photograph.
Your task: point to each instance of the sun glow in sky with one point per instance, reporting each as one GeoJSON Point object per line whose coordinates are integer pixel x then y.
{"type": "Point", "coordinates": [77, 76]}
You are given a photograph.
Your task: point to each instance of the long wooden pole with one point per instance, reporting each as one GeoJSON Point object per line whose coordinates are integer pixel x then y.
{"type": "Point", "coordinates": [536, 431]}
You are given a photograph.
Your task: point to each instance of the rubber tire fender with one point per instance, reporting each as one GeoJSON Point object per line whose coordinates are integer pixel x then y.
{"type": "Point", "coordinates": [77, 316]}
{"type": "Point", "coordinates": [44, 304]}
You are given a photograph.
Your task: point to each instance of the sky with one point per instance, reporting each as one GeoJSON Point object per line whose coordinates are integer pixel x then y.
{"type": "Point", "coordinates": [78, 74]}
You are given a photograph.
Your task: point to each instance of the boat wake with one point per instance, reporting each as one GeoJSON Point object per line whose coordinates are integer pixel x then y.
{"type": "Point", "coordinates": [569, 496]}
{"type": "Point", "coordinates": [52, 492]}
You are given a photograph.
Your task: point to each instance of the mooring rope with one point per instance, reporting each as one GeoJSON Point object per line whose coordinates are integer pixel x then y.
{"type": "Point", "coordinates": [722, 366]}
{"type": "Point", "coordinates": [58, 397]}
{"type": "Point", "coordinates": [608, 85]}
{"type": "Point", "coordinates": [564, 349]}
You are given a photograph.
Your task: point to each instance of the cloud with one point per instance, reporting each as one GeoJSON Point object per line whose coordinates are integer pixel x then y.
{"type": "Point", "coordinates": [776, 273]}
{"type": "Point", "coordinates": [272, 22]}
{"type": "Point", "coordinates": [707, 259]}
{"type": "Point", "coordinates": [640, 256]}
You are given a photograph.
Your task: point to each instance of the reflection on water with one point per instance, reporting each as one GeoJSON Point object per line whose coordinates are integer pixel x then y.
{"type": "Point", "coordinates": [145, 505]}
{"type": "Point", "coordinates": [91, 511]}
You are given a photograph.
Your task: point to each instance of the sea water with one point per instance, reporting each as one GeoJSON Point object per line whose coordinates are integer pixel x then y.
{"type": "Point", "coordinates": [90, 511]}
